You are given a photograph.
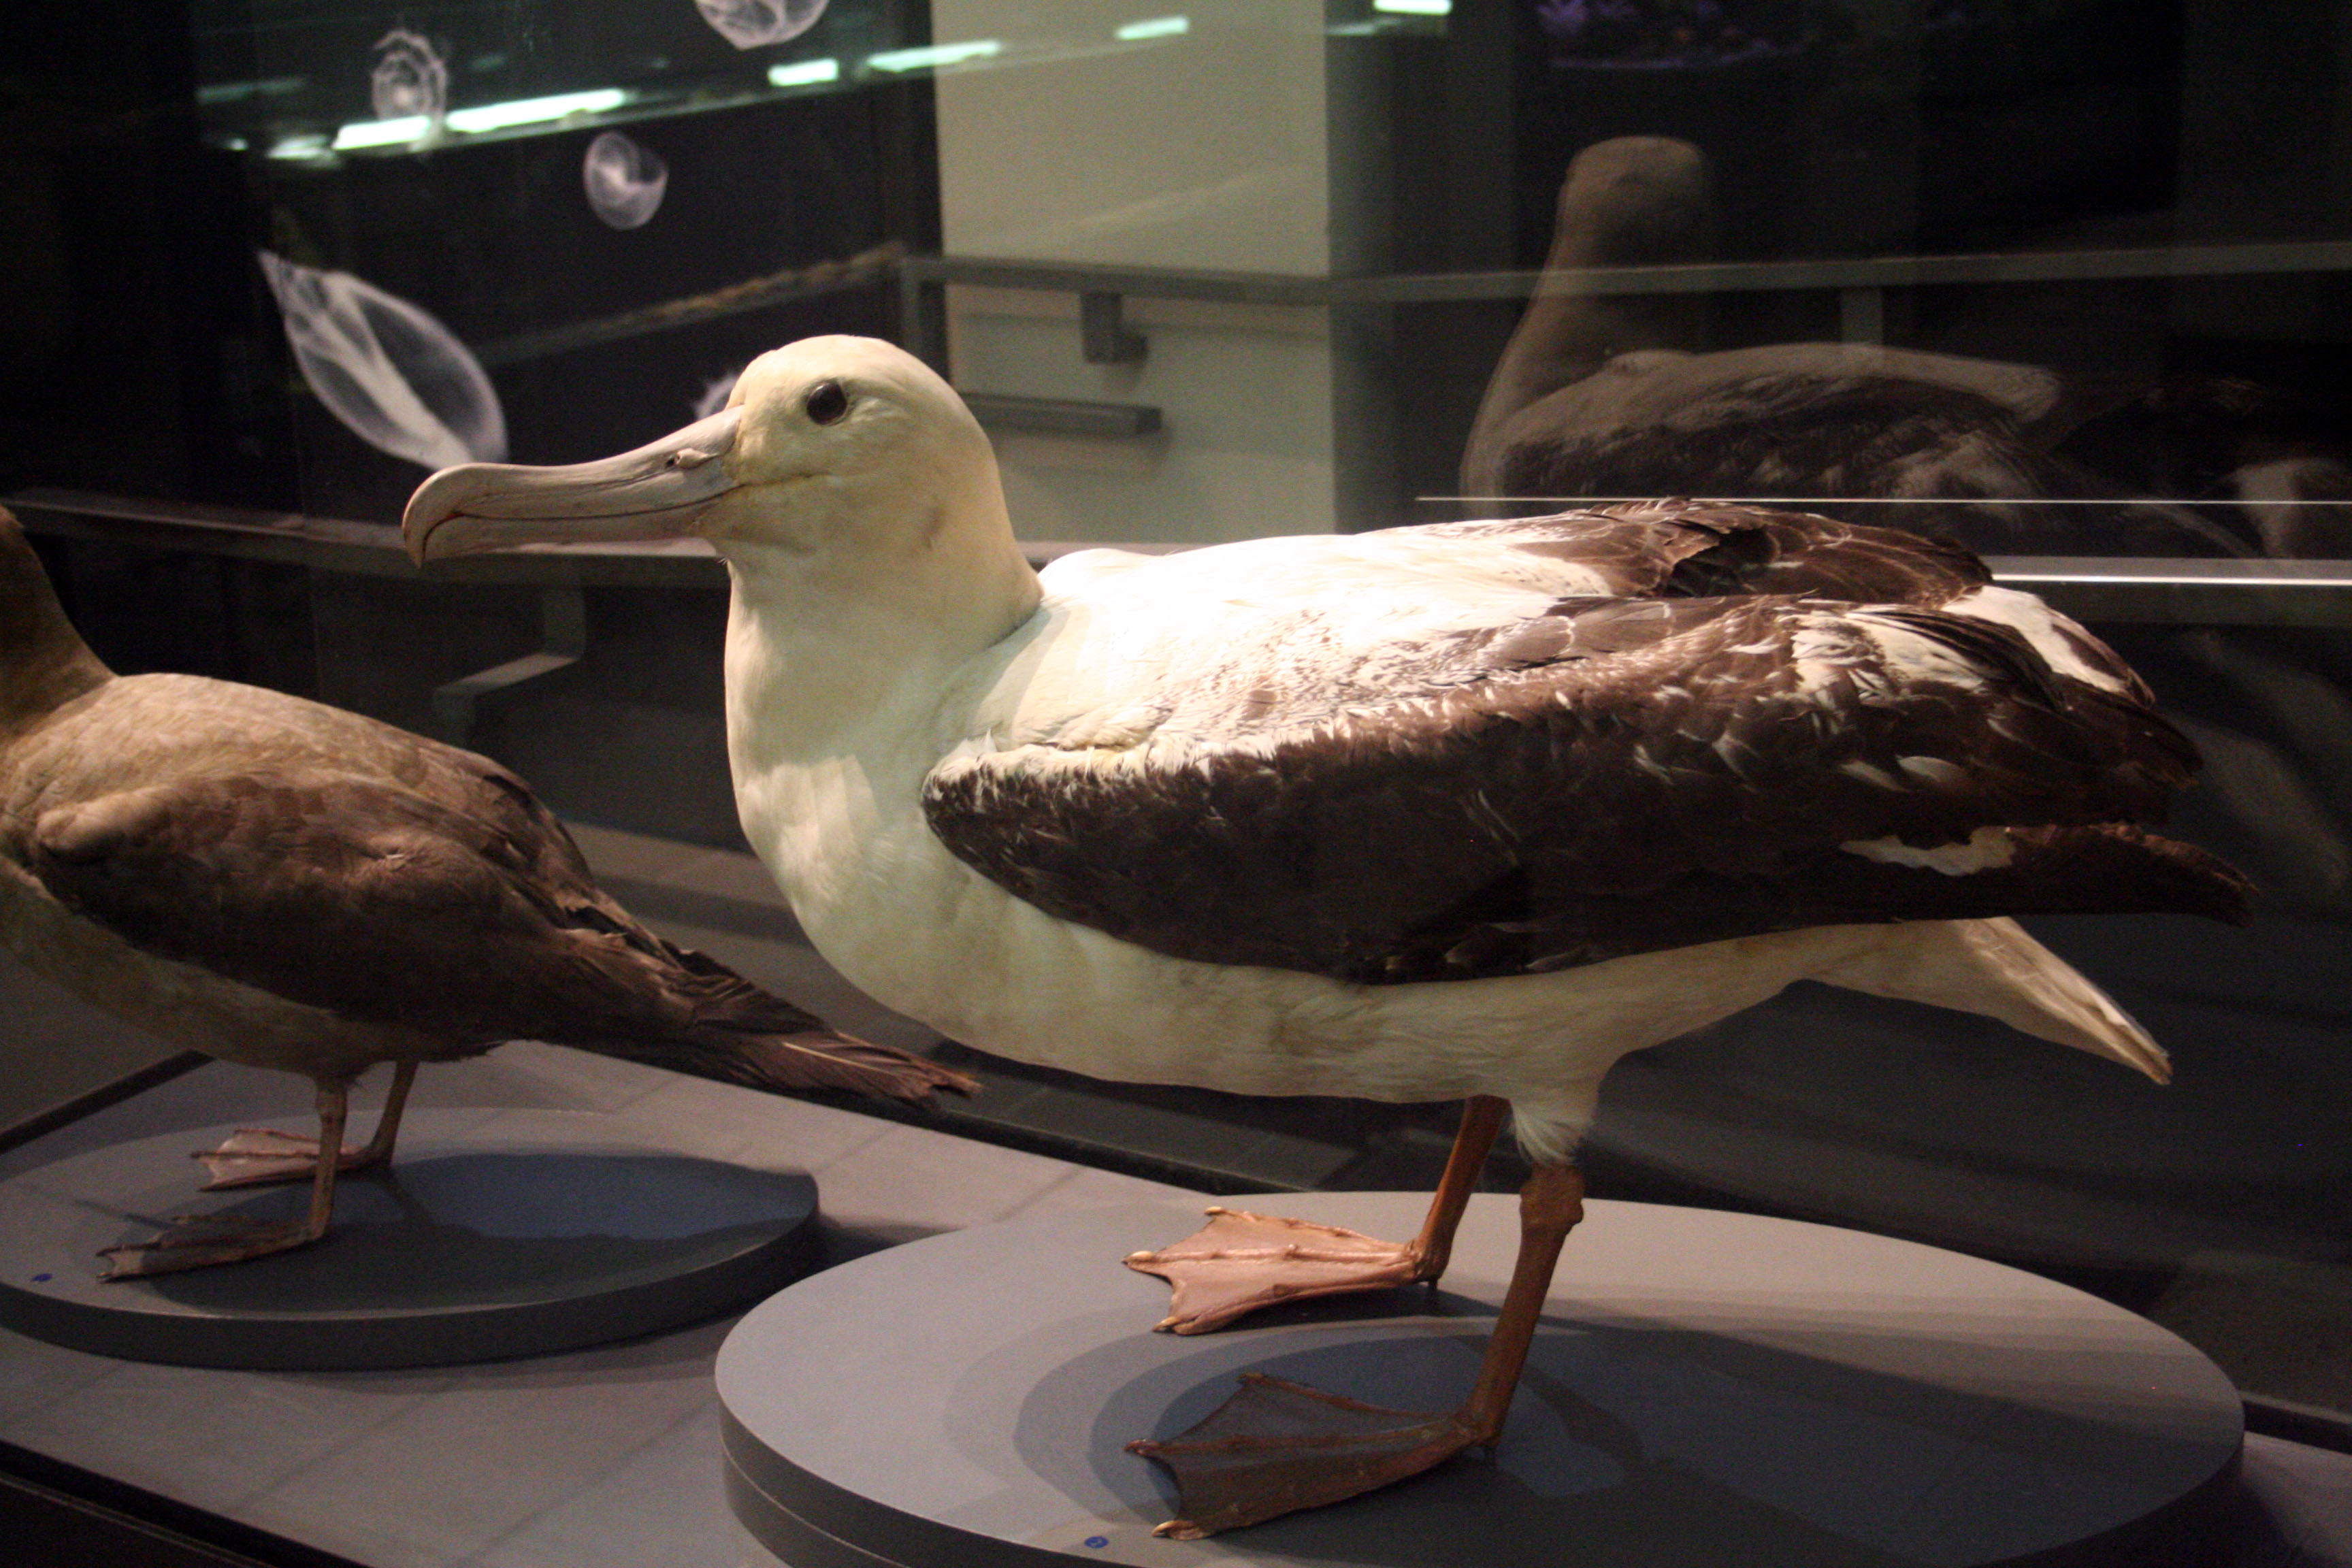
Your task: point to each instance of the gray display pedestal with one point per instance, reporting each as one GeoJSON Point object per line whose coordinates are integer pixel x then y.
{"type": "Point", "coordinates": [491, 1235]}
{"type": "Point", "coordinates": [1707, 1389]}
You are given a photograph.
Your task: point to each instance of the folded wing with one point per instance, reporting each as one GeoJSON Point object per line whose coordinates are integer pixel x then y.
{"type": "Point", "coordinates": [454, 906]}
{"type": "Point", "coordinates": [1766, 722]}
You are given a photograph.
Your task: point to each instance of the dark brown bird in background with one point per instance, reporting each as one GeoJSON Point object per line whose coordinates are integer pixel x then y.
{"type": "Point", "coordinates": [276, 882]}
{"type": "Point", "coordinates": [1614, 396]}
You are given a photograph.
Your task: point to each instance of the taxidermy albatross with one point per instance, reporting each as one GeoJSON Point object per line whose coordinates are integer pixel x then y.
{"type": "Point", "coordinates": [279, 883]}
{"type": "Point", "coordinates": [1463, 811]}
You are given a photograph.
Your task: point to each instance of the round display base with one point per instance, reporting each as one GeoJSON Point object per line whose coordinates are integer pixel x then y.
{"type": "Point", "coordinates": [491, 1235]}
{"type": "Point", "coordinates": [1705, 1389]}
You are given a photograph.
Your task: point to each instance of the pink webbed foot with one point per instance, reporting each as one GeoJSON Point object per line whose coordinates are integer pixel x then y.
{"type": "Point", "coordinates": [1277, 1447]}
{"type": "Point", "coordinates": [259, 1156]}
{"type": "Point", "coordinates": [1239, 1262]}
{"type": "Point", "coordinates": [204, 1241]}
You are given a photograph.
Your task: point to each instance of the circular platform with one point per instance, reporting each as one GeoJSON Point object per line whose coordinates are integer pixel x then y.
{"type": "Point", "coordinates": [492, 1235]}
{"type": "Point", "coordinates": [1707, 1389]}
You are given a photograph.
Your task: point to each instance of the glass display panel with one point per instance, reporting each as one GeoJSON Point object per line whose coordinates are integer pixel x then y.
{"type": "Point", "coordinates": [2064, 280]}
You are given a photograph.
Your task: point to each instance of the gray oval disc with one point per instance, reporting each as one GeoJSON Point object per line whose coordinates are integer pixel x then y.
{"type": "Point", "coordinates": [1705, 1389]}
{"type": "Point", "coordinates": [491, 1235]}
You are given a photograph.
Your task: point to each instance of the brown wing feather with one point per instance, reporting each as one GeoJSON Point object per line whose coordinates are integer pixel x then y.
{"type": "Point", "coordinates": [1620, 776]}
{"type": "Point", "coordinates": [465, 913]}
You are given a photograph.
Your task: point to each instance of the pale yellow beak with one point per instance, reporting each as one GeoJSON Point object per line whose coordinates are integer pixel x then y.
{"type": "Point", "coordinates": [658, 491]}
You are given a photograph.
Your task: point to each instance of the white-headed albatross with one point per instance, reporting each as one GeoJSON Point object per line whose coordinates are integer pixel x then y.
{"type": "Point", "coordinates": [1470, 810]}
{"type": "Point", "coordinates": [283, 884]}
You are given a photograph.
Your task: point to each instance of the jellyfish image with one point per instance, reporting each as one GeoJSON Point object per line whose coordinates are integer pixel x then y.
{"type": "Point", "coordinates": [748, 24]}
{"type": "Point", "coordinates": [625, 181]}
{"type": "Point", "coordinates": [715, 393]}
{"type": "Point", "coordinates": [393, 374]}
{"type": "Point", "coordinates": [409, 77]}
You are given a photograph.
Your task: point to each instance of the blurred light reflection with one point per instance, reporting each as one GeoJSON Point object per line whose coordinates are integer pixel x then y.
{"type": "Point", "coordinates": [625, 181]}
{"type": "Point", "coordinates": [750, 24]}
{"type": "Point", "coordinates": [409, 78]}
{"type": "Point", "coordinates": [395, 377]}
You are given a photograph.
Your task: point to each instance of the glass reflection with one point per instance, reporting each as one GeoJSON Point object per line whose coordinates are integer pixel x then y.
{"type": "Point", "coordinates": [395, 377]}
{"type": "Point", "coordinates": [409, 77]}
{"type": "Point", "coordinates": [1618, 395]}
{"type": "Point", "coordinates": [749, 23]}
{"type": "Point", "coordinates": [625, 182]}
{"type": "Point", "coordinates": [1661, 34]}
{"type": "Point", "coordinates": [715, 393]}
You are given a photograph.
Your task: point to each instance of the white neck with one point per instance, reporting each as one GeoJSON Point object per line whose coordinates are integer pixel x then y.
{"type": "Point", "coordinates": [850, 669]}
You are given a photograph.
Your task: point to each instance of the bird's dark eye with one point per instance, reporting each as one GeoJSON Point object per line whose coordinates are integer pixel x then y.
{"type": "Point", "coordinates": [827, 402]}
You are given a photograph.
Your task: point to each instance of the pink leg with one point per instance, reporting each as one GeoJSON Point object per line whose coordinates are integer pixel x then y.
{"type": "Point", "coordinates": [202, 1241]}
{"type": "Point", "coordinates": [262, 1156]}
{"type": "Point", "coordinates": [1277, 1447]}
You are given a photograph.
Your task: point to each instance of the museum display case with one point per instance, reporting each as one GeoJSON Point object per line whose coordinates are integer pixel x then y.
{"type": "Point", "coordinates": [2066, 282]}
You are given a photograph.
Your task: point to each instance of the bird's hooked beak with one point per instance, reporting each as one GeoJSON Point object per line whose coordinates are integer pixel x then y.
{"type": "Point", "coordinates": [658, 492]}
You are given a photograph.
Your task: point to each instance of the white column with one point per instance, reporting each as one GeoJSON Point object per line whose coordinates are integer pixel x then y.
{"type": "Point", "coordinates": [1198, 148]}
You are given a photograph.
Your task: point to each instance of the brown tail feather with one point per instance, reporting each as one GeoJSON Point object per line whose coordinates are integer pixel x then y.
{"type": "Point", "coordinates": [737, 1033]}
{"type": "Point", "coordinates": [2127, 869]}
{"type": "Point", "coordinates": [810, 1058]}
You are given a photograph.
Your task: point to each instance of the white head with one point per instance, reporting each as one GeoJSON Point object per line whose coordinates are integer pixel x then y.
{"type": "Point", "coordinates": [851, 445]}
{"type": "Point", "coordinates": [840, 465]}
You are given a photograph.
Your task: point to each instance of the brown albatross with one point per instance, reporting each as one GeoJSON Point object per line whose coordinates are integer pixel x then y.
{"type": "Point", "coordinates": [1609, 394]}
{"type": "Point", "coordinates": [283, 884]}
{"type": "Point", "coordinates": [1465, 811]}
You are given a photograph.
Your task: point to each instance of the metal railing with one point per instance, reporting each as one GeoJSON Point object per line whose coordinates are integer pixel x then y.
{"type": "Point", "coordinates": [2197, 592]}
{"type": "Point", "coordinates": [1859, 281]}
